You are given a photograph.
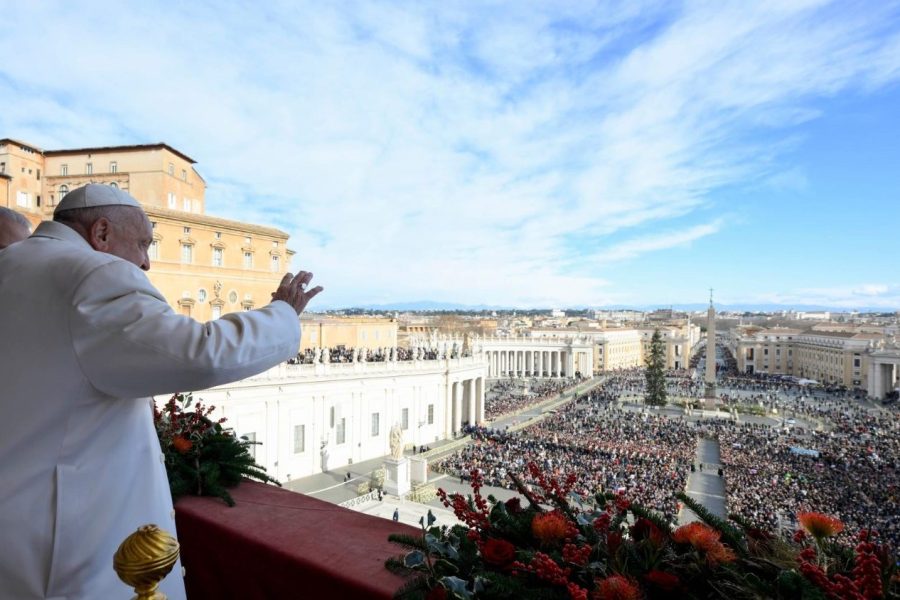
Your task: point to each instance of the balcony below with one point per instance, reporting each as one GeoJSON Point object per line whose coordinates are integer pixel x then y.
{"type": "Point", "coordinates": [280, 544]}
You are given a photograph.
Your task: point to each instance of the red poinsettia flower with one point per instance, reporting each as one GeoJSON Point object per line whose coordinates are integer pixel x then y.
{"type": "Point", "coordinates": [706, 539]}
{"type": "Point", "coordinates": [616, 588]}
{"type": "Point", "coordinates": [549, 528]}
{"type": "Point", "coordinates": [498, 552]}
{"type": "Point", "coordinates": [820, 526]}
{"type": "Point", "coordinates": [182, 444]}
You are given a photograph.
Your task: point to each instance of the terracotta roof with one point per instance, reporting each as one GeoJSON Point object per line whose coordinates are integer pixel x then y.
{"type": "Point", "coordinates": [188, 217]}
{"type": "Point", "coordinates": [131, 148]}
{"type": "Point", "coordinates": [22, 144]}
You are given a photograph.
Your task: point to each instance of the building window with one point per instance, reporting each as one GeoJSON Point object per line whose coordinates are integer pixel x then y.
{"type": "Point", "coordinates": [63, 190]}
{"type": "Point", "coordinates": [251, 437]}
{"type": "Point", "coordinates": [113, 167]}
{"type": "Point", "coordinates": [173, 200]}
{"type": "Point", "coordinates": [232, 296]}
{"type": "Point", "coordinates": [38, 174]}
{"type": "Point", "coordinates": [299, 439]}
{"type": "Point", "coordinates": [23, 199]}
{"type": "Point", "coordinates": [63, 169]}
{"type": "Point", "coordinates": [113, 185]}
{"type": "Point", "coordinates": [247, 240]}
{"type": "Point", "coordinates": [153, 251]}
{"type": "Point", "coordinates": [404, 419]}
{"type": "Point", "coordinates": [217, 257]}
{"type": "Point", "coordinates": [201, 295]}
{"type": "Point", "coordinates": [275, 244]}
{"type": "Point", "coordinates": [276, 264]}
{"type": "Point", "coordinates": [248, 260]}
{"type": "Point", "coordinates": [187, 253]}
{"type": "Point", "coordinates": [186, 231]}
{"type": "Point", "coordinates": [376, 417]}
{"type": "Point", "coordinates": [340, 434]}
{"type": "Point", "coordinates": [171, 169]}
{"type": "Point", "coordinates": [216, 312]}
{"type": "Point", "coordinates": [183, 175]}
{"type": "Point", "coordinates": [89, 169]}
{"type": "Point", "coordinates": [431, 414]}
{"type": "Point", "coordinates": [218, 235]}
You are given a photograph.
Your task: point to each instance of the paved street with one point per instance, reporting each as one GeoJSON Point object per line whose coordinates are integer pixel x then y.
{"type": "Point", "coordinates": [704, 485]}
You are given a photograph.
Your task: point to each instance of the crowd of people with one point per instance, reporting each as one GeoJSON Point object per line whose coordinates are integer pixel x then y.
{"type": "Point", "coordinates": [847, 467]}
{"type": "Point", "coordinates": [507, 396]}
{"type": "Point", "coordinates": [344, 354]}
{"type": "Point", "coordinates": [647, 457]}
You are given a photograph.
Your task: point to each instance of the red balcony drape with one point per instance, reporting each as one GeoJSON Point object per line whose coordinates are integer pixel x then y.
{"type": "Point", "coordinates": [280, 544]}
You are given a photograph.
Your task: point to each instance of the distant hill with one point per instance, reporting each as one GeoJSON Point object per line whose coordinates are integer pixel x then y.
{"type": "Point", "coordinates": [433, 305]}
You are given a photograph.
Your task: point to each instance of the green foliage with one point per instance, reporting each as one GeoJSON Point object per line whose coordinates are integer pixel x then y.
{"type": "Point", "coordinates": [202, 457]}
{"type": "Point", "coordinates": [655, 372]}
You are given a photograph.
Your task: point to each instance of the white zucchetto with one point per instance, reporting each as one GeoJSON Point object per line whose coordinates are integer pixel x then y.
{"type": "Point", "coordinates": [95, 194]}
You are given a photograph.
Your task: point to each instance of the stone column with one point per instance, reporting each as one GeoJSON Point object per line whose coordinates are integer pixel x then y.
{"type": "Point", "coordinates": [457, 408]}
{"type": "Point", "coordinates": [479, 396]}
{"type": "Point", "coordinates": [470, 395]}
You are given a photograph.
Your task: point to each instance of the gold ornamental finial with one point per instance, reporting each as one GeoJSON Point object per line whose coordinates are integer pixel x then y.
{"type": "Point", "coordinates": [144, 559]}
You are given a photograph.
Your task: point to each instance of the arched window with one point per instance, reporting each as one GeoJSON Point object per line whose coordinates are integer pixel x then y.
{"type": "Point", "coordinates": [113, 184]}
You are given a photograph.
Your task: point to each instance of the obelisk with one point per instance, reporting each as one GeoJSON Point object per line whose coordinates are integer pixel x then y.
{"type": "Point", "coordinates": [710, 379]}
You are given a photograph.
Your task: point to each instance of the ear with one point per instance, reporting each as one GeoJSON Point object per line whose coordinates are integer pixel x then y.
{"type": "Point", "coordinates": [99, 234]}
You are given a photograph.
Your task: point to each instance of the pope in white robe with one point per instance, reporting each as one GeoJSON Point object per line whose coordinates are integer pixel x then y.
{"type": "Point", "coordinates": [86, 339]}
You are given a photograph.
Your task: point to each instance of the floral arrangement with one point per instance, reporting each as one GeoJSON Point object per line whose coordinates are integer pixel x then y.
{"type": "Point", "coordinates": [557, 545]}
{"type": "Point", "coordinates": [202, 457]}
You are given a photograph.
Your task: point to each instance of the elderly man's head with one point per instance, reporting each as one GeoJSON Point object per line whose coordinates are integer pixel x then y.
{"type": "Point", "coordinates": [110, 221]}
{"type": "Point", "coordinates": [13, 227]}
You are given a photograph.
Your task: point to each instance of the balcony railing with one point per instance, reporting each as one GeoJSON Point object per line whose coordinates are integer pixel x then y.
{"type": "Point", "coordinates": [280, 544]}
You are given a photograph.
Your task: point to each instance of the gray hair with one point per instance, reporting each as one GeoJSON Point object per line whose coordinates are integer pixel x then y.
{"type": "Point", "coordinates": [7, 214]}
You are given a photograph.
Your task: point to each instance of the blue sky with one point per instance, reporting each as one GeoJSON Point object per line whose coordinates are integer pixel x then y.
{"type": "Point", "coordinates": [523, 154]}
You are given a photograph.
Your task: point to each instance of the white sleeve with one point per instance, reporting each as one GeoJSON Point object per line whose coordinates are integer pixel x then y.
{"type": "Point", "coordinates": [130, 343]}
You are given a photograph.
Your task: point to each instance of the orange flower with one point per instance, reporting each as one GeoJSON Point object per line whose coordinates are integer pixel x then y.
{"type": "Point", "coordinates": [182, 444]}
{"type": "Point", "coordinates": [549, 527]}
{"type": "Point", "coordinates": [616, 588]}
{"type": "Point", "coordinates": [706, 539]}
{"type": "Point", "coordinates": [820, 526]}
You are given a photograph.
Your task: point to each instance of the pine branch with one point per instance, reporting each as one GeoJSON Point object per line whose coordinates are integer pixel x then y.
{"type": "Point", "coordinates": [410, 541]}
{"type": "Point", "coordinates": [654, 517]}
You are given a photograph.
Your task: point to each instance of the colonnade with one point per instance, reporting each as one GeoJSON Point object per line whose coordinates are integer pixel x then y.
{"type": "Point", "coordinates": [465, 404]}
{"type": "Point", "coordinates": [537, 363]}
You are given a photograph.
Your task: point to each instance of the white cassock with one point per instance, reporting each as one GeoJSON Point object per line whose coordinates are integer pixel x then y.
{"type": "Point", "coordinates": [86, 339]}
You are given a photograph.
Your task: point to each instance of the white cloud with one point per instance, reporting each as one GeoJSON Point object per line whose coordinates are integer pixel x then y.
{"type": "Point", "coordinates": [449, 153]}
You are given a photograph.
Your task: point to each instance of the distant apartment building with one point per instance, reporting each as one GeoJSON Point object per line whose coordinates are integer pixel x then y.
{"type": "Point", "coordinates": [205, 266]}
{"type": "Point", "coordinates": [627, 347]}
{"type": "Point", "coordinates": [350, 332]}
{"type": "Point", "coordinates": [831, 357]}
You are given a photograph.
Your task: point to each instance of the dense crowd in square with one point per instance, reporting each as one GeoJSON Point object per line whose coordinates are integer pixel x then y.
{"type": "Point", "coordinates": [644, 456]}
{"type": "Point", "coordinates": [772, 472]}
{"type": "Point", "coordinates": [507, 396]}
